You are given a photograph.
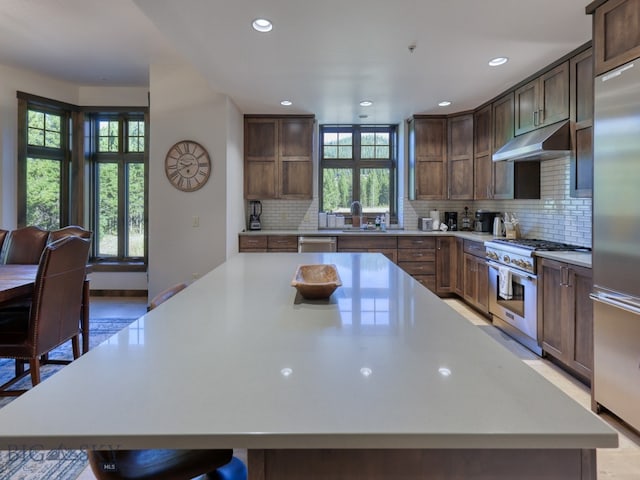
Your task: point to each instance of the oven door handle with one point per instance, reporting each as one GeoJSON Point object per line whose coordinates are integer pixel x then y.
{"type": "Point", "coordinates": [514, 272]}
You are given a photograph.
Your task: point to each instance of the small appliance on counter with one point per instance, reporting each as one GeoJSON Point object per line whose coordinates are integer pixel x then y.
{"type": "Point", "coordinates": [425, 224]}
{"type": "Point", "coordinates": [255, 209]}
{"type": "Point", "coordinates": [466, 221]}
{"type": "Point", "coordinates": [451, 221]}
{"type": "Point", "coordinates": [484, 221]}
{"type": "Point", "coordinates": [498, 226]}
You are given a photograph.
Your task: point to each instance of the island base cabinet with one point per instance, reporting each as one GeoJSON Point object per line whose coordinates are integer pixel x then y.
{"type": "Point", "coordinates": [423, 464]}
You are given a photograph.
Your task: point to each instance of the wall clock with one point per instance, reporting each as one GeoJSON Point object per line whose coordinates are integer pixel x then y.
{"type": "Point", "coordinates": [187, 166]}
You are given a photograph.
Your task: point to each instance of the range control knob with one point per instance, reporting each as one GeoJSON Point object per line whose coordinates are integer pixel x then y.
{"type": "Point", "coordinates": [506, 259]}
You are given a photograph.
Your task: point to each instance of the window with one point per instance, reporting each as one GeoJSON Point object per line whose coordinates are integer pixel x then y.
{"type": "Point", "coordinates": [44, 167]}
{"type": "Point", "coordinates": [358, 162]}
{"type": "Point", "coordinates": [119, 185]}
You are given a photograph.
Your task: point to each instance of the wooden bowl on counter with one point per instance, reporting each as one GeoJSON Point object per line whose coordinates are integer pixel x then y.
{"type": "Point", "coordinates": [316, 281]}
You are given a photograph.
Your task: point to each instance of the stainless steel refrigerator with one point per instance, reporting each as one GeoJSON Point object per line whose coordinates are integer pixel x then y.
{"type": "Point", "coordinates": [616, 242]}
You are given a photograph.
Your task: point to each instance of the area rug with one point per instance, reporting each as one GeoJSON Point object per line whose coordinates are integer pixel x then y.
{"type": "Point", "coordinates": [21, 464]}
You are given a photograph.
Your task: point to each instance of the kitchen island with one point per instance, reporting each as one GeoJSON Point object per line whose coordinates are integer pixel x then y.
{"type": "Point", "coordinates": [382, 380]}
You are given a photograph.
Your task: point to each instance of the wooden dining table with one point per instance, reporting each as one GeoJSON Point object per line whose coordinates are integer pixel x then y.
{"type": "Point", "coordinates": [17, 282]}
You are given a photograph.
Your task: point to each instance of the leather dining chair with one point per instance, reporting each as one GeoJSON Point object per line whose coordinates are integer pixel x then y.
{"type": "Point", "coordinates": [70, 230]}
{"type": "Point", "coordinates": [3, 236]}
{"type": "Point", "coordinates": [52, 319]}
{"type": "Point", "coordinates": [77, 231]}
{"type": "Point", "coordinates": [216, 464]}
{"type": "Point", "coordinates": [25, 245]}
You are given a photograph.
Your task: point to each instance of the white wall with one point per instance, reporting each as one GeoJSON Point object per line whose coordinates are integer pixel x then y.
{"type": "Point", "coordinates": [183, 106]}
{"type": "Point", "coordinates": [11, 81]}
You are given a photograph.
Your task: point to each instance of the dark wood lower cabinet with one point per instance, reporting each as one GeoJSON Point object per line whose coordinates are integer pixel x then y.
{"type": "Point", "coordinates": [386, 245]}
{"type": "Point", "coordinates": [475, 272]}
{"type": "Point", "coordinates": [445, 265]}
{"type": "Point", "coordinates": [567, 315]}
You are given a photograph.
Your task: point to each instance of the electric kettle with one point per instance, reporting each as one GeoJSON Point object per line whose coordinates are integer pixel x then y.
{"type": "Point", "coordinates": [498, 226]}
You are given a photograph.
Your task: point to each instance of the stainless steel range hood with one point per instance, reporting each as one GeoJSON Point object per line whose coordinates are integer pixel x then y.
{"type": "Point", "coordinates": [544, 143]}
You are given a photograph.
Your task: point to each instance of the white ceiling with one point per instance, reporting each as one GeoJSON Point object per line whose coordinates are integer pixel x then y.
{"type": "Point", "coordinates": [325, 56]}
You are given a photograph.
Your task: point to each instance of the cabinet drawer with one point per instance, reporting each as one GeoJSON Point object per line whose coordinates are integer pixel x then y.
{"type": "Point", "coordinates": [366, 242]}
{"type": "Point", "coordinates": [418, 268]}
{"type": "Point", "coordinates": [287, 243]}
{"type": "Point", "coordinates": [416, 255]}
{"type": "Point", "coordinates": [474, 248]}
{"type": "Point", "coordinates": [428, 281]}
{"type": "Point", "coordinates": [253, 243]}
{"type": "Point", "coordinates": [417, 242]}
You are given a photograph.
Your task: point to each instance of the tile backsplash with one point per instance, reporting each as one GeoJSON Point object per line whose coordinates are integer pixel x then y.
{"type": "Point", "coordinates": [555, 216]}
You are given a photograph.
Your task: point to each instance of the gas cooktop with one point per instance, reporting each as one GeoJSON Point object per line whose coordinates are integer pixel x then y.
{"type": "Point", "coordinates": [536, 244]}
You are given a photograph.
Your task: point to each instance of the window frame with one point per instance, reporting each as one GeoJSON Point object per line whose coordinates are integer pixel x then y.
{"type": "Point", "coordinates": [63, 154]}
{"type": "Point", "coordinates": [122, 158]}
{"type": "Point", "coordinates": [356, 164]}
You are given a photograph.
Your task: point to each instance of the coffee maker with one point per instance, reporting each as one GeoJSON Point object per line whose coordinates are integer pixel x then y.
{"type": "Point", "coordinates": [255, 209]}
{"type": "Point", "coordinates": [451, 220]}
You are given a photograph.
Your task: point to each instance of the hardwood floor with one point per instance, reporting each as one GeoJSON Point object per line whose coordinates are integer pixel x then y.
{"type": "Point", "coordinates": [622, 463]}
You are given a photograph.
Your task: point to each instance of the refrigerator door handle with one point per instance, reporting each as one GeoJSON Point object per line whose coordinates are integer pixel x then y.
{"type": "Point", "coordinates": [619, 301]}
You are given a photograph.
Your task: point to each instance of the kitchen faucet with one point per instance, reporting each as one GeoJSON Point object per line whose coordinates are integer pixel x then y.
{"type": "Point", "coordinates": [356, 214]}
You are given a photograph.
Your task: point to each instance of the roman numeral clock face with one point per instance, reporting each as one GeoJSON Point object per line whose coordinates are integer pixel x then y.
{"type": "Point", "coordinates": [187, 166]}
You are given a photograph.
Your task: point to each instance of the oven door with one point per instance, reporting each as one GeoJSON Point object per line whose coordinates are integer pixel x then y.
{"type": "Point", "coordinates": [520, 312]}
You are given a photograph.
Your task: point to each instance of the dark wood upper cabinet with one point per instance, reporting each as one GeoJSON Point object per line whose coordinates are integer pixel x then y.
{"type": "Point", "coordinates": [278, 157]}
{"type": "Point", "coordinates": [460, 151]}
{"type": "Point", "coordinates": [482, 151]}
{"type": "Point", "coordinates": [503, 128]}
{"type": "Point", "coordinates": [581, 94]}
{"type": "Point", "coordinates": [428, 158]}
{"type": "Point", "coordinates": [260, 158]}
{"type": "Point", "coordinates": [543, 101]}
{"type": "Point", "coordinates": [616, 33]}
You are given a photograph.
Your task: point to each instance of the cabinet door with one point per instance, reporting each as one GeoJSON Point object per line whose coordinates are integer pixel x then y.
{"type": "Point", "coordinates": [461, 157]}
{"type": "Point", "coordinates": [581, 337]}
{"type": "Point", "coordinates": [445, 265]}
{"type": "Point", "coordinates": [555, 311]}
{"type": "Point", "coordinates": [295, 158]}
{"type": "Point", "coordinates": [482, 282]}
{"type": "Point", "coordinates": [581, 102]}
{"type": "Point", "coordinates": [526, 107]}
{"type": "Point", "coordinates": [470, 279]}
{"type": "Point", "coordinates": [459, 253]}
{"type": "Point", "coordinates": [553, 102]}
{"type": "Point", "coordinates": [430, 150]}
{"type": "Point", "coordinates": [615, 34]}
{"type": "Point", "coordinates": [482, 163]}
{"type": "Point", "coordinates": [502, 133]}
{"type": "Point", "coordinates": [260, 158]}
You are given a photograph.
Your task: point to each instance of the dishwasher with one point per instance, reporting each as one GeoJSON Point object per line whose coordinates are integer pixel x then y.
{"type": "Point", "coordinates": [317, 244]}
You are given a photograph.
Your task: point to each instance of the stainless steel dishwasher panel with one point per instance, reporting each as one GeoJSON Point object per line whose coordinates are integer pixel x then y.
{"type": "Point", "coordinates": [317, 244]}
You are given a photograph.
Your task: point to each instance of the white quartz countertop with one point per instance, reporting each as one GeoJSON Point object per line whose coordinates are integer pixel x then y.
{"type": "Point", "coordinates": [582, 259]}
{"type": "Point", "coordinates": [239, 359]}
{"type": "Point", "coordinates": [478, 237]}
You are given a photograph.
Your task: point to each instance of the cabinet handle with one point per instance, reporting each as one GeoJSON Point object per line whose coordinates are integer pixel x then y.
{"type": "Point", "coordinates": [535, 118]}
{"type": "Point", "coordinates": [540, 116]}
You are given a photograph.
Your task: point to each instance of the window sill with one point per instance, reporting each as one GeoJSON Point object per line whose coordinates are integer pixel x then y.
{"type": "Point", "coordinates": [118, 266]}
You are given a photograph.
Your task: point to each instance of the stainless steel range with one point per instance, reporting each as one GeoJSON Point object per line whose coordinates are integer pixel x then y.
{"type": "Point", "coordinates": [513, 286]}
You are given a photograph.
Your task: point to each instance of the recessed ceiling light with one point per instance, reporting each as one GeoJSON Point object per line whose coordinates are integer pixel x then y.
{"type": "Point", "coordinates": [286, 103]}
{"type": "Point", "coordinates": [366, 103]}
{"type": "Point", "coordinates": [445, 103]}
{"type": "Point", "coordinates": [494, 62]}
{"type": "Point", "coordinates": [262, 25]}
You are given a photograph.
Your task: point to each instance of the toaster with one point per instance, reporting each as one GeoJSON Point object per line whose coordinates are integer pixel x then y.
{"type": "Point", "coordinates": [425, 224]}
